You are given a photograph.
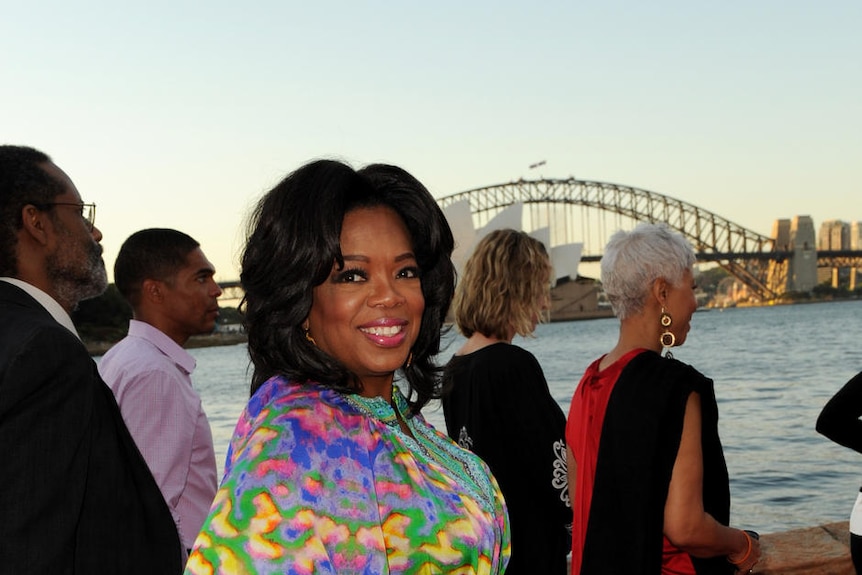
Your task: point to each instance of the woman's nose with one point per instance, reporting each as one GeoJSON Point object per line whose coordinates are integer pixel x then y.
{"type": "Point", "coordinates": [385, 293]}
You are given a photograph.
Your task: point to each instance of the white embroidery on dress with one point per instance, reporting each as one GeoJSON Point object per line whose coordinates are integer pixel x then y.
{"type": "Point", "coordinates": [561, 478]}
{"type": "Point", "coordinates": [464, 439]}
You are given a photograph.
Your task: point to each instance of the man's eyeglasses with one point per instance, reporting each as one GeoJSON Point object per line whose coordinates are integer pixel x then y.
{"type": "Point", "coordinates": [88, 211]}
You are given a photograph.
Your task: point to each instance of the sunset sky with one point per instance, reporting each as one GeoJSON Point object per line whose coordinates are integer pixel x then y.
{"type": "Point", "coordinates": [181, 114]}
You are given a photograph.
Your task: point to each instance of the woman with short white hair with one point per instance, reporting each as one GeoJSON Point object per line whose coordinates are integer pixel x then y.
{"type": "Point", "coordinates": [647, 476]}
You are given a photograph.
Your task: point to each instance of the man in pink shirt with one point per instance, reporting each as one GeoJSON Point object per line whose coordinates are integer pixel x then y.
{"type": "Point", "coordinates": [169, 283]}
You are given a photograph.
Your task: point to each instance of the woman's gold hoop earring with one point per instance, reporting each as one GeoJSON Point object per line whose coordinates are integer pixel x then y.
{"type": "Point", "coordinates": [409, 361]}
{"type": "Point", "coordinates": [667, 339]}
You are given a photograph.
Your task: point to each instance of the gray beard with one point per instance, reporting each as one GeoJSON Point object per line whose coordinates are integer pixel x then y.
{"type": "Point", "coordinates": [73, 284]}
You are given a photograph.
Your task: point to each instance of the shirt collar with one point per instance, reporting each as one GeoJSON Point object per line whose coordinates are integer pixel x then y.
{"type": "Point", "coordinates": [164, 343]}
{"type": "Point", "coordinates": [50, 304]}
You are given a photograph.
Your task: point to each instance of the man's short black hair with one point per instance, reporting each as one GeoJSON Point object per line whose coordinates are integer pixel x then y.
{"type": "Point", "coordinates": [155, 253]}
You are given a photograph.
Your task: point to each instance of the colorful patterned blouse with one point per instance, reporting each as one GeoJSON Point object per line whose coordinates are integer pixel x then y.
{"type": "Point", "coordinates": [321, 482]}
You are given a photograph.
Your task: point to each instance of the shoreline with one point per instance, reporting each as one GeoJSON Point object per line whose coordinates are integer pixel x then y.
{"type": "Point", "coordinates": [96, 348]}
{"type": "Point", "coordinates": [776, 302]}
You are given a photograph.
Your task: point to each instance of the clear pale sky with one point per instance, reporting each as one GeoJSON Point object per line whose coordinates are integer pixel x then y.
{"type": "Point", "coordinates": [182, 114]}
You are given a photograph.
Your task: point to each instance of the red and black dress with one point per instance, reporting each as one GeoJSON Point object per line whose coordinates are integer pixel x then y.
{"type": "Point", "coordinates": [624, 428]}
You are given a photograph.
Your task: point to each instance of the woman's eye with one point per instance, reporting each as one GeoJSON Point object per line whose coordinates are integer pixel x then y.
{"type": "Point", "coordinates": [409, 272]}
{"type": "Point", "coordinates": [350, 275]}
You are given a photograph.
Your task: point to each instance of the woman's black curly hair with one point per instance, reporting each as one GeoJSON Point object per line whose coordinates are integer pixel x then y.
{"type": "Point", "coordinates": [294, 236]}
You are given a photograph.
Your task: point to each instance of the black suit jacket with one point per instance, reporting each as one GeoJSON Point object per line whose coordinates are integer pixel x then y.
{"type": "Point", "coordinates": [76, 496]}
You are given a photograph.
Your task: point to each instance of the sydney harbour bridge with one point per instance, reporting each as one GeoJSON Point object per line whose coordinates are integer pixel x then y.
{"type": "Point", "coordinates": [585, 213]}
{"type": "Point", "coordinates": [588, 212]}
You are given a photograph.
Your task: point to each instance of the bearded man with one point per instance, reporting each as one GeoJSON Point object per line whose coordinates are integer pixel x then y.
{"type": "Point", "coordinates": [77, 496]}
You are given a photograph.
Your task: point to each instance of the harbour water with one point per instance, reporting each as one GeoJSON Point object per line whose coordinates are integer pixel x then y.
{"type": "Point", "coordinates": [773, 367]}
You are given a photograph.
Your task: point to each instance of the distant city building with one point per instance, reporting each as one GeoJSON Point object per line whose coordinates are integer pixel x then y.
{"type": "Point", "coordinates": [838, 235]}
{"type": "Point", "coordinates": [825, 241]}
{"type": "Point", "coordinates": [834, 235]}
{"type": "Point", "coordinates": [802, 272]}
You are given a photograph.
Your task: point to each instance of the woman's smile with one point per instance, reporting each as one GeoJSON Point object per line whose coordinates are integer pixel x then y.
{"type": "Point", "coordinates": [385, 332]}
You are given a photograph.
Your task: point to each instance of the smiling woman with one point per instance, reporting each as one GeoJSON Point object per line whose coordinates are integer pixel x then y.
{"type": "Point", "coordinates": [332, 468]}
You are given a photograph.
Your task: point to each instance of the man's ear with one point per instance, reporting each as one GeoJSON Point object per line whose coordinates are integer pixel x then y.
{"type": "Point", "coordinates": [35, 223]}
{"type": "Point", "coordinates": [151, 290]}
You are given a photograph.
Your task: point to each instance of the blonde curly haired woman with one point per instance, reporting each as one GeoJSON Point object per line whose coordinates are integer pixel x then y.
{"type": "Point", "coordinates": [496, 400]}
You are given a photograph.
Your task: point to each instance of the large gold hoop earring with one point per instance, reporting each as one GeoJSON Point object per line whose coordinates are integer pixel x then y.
{"type": "Point", "coordinates": [409, 361]}
{"type": "Point", "coordinates": [667, 338]}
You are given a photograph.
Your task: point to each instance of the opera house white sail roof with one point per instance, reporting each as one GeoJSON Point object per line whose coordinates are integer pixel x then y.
{"type": "Point", "coordinates": [565, 257]}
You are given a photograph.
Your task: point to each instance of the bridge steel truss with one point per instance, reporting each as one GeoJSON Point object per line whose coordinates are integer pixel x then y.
{"type": "Point", "coordinates": [748, 255]}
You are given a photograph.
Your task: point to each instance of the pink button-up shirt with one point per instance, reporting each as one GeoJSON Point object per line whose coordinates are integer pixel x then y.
{"type": "Point", "coordinates": [150, 376]}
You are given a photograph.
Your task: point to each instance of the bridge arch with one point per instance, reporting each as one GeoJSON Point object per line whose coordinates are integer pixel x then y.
{"type": "Point", "coordinates": [746, 254]}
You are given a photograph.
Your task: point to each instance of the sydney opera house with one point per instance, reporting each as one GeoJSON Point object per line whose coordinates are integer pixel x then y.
{"type": "Point", "coordinates": [572, 296]}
